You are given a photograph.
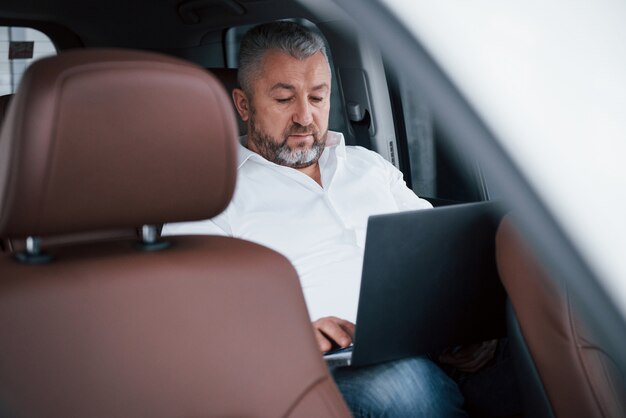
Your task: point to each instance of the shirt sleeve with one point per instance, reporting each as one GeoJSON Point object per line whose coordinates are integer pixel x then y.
{"type": "Point", "coordinates": [405, 198]}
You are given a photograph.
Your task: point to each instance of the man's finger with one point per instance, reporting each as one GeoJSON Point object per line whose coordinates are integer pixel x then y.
{"type": "Point", "coordinates": [333, 329]}
{"type": "Point", "coordinates": [348, 326]}
{"type": "Point", "coordinates": [322, 341]}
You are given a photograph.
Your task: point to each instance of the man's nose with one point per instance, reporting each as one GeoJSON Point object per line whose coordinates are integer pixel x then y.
{"type": "Point", "coordinates": [303, 114]}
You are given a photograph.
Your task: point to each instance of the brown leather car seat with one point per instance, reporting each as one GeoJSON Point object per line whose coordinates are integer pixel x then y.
{"type": "Point", "coordinates": [16, 245]}
{"type": "Point", "coordinates": [192, 326]}
{"type": "Point", "coordinates": [579, 377]}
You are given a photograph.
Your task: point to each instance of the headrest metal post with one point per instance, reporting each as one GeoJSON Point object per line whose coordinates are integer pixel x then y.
{"type": "Point", "coordinates": [149, 239]}
{"type": "Point", "coordinates": [33, 253]}
{"type": "Point", "coordinates": [33, 245]}
{"type": "Point", "coordinates": [149, 234]}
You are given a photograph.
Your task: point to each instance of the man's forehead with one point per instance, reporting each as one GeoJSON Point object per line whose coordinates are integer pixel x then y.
{"type": "Point", "coordinates": [286, 86]}
{"type": "Point", "coordinates": [282, 71]}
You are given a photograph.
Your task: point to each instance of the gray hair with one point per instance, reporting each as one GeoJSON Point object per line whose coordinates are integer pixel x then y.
{"type": "Point", "coordinates": [288, 37]}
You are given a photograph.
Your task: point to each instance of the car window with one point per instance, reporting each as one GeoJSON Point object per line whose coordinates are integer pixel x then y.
{"type": "Point", "coordinates": [336, 118]}
{"type": "Point", "coordinates": [431, 165]}
{"type": "Point", "coordinates": [20, 47]}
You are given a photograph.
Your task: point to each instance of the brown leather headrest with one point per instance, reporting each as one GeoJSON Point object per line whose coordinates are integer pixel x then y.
{"type": "Point", "coordinates": [99, 139]}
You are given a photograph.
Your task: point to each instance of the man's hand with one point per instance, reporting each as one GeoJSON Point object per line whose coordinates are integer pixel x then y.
{"type": "Point", "coordinates": [331, 331]}
{"type": "Point", "coordinates": [470, 358]}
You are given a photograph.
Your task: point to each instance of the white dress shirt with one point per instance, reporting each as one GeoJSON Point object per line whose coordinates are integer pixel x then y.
{"type": "Point", "coordinates": [320, 229]}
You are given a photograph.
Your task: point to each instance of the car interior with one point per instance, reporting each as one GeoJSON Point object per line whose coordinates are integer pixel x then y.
{"type": "Point", "coordinates": [130, 125]}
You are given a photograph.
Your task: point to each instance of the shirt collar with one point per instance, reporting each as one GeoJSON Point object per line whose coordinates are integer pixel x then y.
{"type": "Point", "coordinates": [335, 142]}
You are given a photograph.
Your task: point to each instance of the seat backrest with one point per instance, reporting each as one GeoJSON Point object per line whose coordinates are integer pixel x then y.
{"type": "Point", "coordinates": [579, 378]}
{"type": "Point", "coordinates": [195, 326]}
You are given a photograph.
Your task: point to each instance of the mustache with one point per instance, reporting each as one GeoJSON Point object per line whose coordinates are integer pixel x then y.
{"type": "Point", "coordinates": [297, 129]}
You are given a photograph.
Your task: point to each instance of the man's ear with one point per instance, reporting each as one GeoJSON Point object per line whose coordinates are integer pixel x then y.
{"type": "Point", "coordinates": [242, 104]}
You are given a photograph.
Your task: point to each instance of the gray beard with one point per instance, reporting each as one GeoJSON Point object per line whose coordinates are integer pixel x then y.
{"type": "Point", "coordinates": [282, 154]}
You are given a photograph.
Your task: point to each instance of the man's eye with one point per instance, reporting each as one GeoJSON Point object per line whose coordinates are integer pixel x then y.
{"type": "Point", "coordinates": [287, 100]}
{"type": "Point", "coordinates": [317, 99]}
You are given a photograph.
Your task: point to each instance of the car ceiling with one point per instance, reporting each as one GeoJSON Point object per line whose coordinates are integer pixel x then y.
{"type": "Point", "coordinates": [145, 24]}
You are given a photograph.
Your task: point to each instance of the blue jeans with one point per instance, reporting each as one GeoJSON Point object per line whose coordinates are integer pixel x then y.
{"type": "Point", "coordinates": [411, 387]}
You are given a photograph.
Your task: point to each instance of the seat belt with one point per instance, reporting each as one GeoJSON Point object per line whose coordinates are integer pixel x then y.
{"type": "Point", "coordinates": [360, 121]}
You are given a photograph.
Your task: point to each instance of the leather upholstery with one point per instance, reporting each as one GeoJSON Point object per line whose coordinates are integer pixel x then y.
{"type": "Point", "coordinates": [16, 245]}
{"type": "Point", "coordinates": [108, 178]}
{"type": "Point", "coordinates": [211, 326]}
{"type": "Point", "coordinates": [579, 378]}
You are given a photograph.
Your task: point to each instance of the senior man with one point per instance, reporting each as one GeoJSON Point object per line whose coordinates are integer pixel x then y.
{"type": "Point", "coordinates": [302, 192]}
